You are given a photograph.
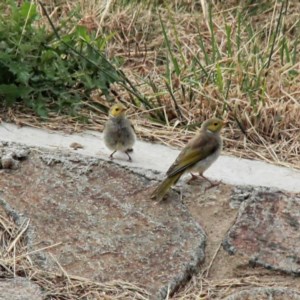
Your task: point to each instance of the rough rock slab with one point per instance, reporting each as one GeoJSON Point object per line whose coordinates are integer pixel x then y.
{"type": "Point", "coordinates": [19, 289]}
{"type": "Point", "coordinates": [107, 225]}
{"type": "Point", "coordinates": [267, 230]}
{"type": "Point", "coordinates": [265, 294]}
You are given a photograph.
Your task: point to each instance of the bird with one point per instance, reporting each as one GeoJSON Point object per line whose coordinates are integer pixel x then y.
{"type": "Point", "coordinates": [119, 134]}
{"type": "Point", "coordinates": [197, 156]}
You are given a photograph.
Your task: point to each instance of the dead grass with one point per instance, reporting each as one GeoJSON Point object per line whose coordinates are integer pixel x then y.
{"type": "Point", "coordinates": [202, 288]}
{"type": "Point", "coordinates": [270, 115]}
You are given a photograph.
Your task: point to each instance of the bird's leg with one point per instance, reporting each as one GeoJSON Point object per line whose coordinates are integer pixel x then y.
{"type": "Point", "coordinates": [129, 158]}
{"type": "Point", "coordinates": [194, 177]}
{"type": "Point", "coordinates": [112, 155]}
{"type": "Point", "coordinates": [212, 184]}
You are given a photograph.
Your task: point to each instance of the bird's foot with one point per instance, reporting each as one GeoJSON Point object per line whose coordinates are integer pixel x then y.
{"type": "Point", "coordinates": [196, 177]}
{"type": "Point", "coordinates": [212, 184]}
{"type": "Point", "coordinates": [129, 157]}
{"type": "Point", "coordinates": [193, 178]}
{"type": "Point", "coordinates": [111, 157]}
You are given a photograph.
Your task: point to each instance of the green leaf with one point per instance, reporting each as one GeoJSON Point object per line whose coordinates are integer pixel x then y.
{"type": "Point", "coordinates": [168, 43]}
{"type": "Point", "coordinates": [82, 33]}
{"type": "Point", "coordinates": [22, 75]}
{"type": "Point", "coordinates": [219, 78]}
{"type": "Point", "coordinates": [28, 10]}
{"type": "Point", "coordinates": [12, 92]}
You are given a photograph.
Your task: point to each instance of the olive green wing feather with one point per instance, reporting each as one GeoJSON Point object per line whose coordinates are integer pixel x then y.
{"type": "Point", "coordinates": [197, 149]}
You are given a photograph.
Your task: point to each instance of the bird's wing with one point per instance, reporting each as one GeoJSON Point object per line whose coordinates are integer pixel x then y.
{"type": "Point", "coordinates": [197, 149]}
{"type": "Point", "coordinates": [129, 124]}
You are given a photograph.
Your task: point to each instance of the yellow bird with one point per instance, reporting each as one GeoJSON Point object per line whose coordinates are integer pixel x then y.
{"type": "Point", "coordinates": [118, 132]}
{"type": "Point", "coordinates": [196, 156]}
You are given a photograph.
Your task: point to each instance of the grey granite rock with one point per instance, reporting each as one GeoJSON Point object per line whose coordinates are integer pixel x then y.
{"type": "Point", "coordinates": [106, 223]}
{"type": "Point", "coordinates": [19, 289]}
{"type": "Point", "coordinates": [11, 155]}
{"type": "Point", "coordinates": [267, 230]}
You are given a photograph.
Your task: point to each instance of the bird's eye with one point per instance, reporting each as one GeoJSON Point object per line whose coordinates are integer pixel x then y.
{"type": "Point", "coordinates": [216, 124]}
{"type": "Point", "coordinates": [117, 109]}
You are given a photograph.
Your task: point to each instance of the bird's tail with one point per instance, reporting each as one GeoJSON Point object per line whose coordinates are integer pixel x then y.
{"type": "Point", "coordinates": [164, 187]}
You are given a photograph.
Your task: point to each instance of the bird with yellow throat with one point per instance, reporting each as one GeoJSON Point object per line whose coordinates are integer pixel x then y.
{"type": "Point", "coordinates": [196, 156]}
{"type": "Point", "coordinates": [118, 132]}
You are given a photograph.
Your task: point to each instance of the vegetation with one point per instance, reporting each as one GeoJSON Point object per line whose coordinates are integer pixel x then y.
{"type": "Point", "coordinates": [47, 72]}
{"type": "Point", "coordinates": [175, 63]}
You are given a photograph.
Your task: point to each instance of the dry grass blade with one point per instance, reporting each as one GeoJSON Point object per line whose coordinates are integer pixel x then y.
{"type": "Point", "coordinates": [206, 289]}
{"type": "Point", "coordinates": [252, 49]}
{"type": "Point", "coordinates": [22, 230]}
{"type": "Point", "coordinates": [242, 40]}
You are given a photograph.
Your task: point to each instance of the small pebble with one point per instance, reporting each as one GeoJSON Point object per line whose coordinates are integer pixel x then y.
{"type": "Point", "coordinates": [7, 162]}
{"type": "Point", "coordinates": [76, 146]}
{"type": "Point", "coordinates": [21, 154]}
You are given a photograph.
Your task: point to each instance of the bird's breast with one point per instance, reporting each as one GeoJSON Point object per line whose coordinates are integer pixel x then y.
{"type": "Point", "coordinates": [204, 164]}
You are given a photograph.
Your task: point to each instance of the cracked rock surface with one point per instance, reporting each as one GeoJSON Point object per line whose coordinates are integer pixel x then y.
{"type": "Point", "coordinates": [105, 225]}
{"type": "Point", "coordinates": [97, 221]}
{"type": "Point", "coordinates": [267, 230]}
